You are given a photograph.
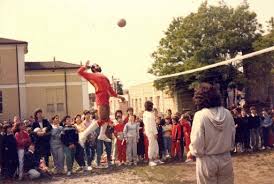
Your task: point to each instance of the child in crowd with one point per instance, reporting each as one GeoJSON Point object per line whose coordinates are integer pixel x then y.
{"type": "Point", "coordinates": [167, 128]}
{"type": "Point", "coordinates": [91, 140]}
{"type": "Point", "coordinates": [23, 141]}
{"type": "Point", "coordinates": [70, 139]}
{"type": "Point", "coordinates": [160, 139]}
{"type": "Point", "coordinates": [131, 135]}
{"type": "Point", "coordinates": [186, 126]}
{"type": "Point", "coordinates": [80, 151]}
{"type": "Point", "coordinates": [34, 167]}
{"type": "Point", "coordinates": [56, 145]}
{"type": "Point", "coordinates": [9, 150]}
{"type": "Point", "coordinates": [140, 143]}
{"type": "Point", "coordinates": [121, 143]}
{"type": "Point", "coordinates": [176, 135]}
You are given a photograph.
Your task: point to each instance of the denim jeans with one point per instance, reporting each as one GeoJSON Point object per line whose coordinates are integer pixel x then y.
{"type": "Point", "coordinates": [90, 153]}
{"type": "Point", "coordinates": [70, 155]}
{"type": "Point", "coordinates": [100, 147]}
{"type": "Point", "coordinates": [167, 145]}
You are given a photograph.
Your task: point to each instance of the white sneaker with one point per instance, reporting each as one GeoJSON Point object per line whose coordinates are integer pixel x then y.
{"type": "Point", "coordinates": [69, 173]}
{"type": "Point", "coordinates": [89, 168]}
{"type": "Point", "coordinates": [135, 163]}
{"type": "Point", "coordinates": [152, 164]}
{"type": "Point", "coordinates": [188, 160]}
{"type": "Point", "coordinates": [159, 162]}
{"type": "Point", "coordinates": [104, 138]}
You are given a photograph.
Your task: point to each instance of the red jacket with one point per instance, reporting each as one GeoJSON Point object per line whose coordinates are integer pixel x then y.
{"type": "Point", "coordinates": [103, 89]}
{"type": "Point", "coordinates": [176, 132]}
{"type": "Point", "coordinates": [186, 127]}
{"type": "Point", "coordinates": [22, 139]}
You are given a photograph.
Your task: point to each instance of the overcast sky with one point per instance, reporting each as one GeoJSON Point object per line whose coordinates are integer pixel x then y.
{"type": "Point", "coordinates": [77, 30]}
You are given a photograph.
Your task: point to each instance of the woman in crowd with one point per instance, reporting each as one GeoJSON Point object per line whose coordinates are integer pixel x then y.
{"type": "Point", "coordinates": [160, 139]}
{"type": "Point", "coordinates": [56, 145]}
{"type": "Point", "coordinates": [23, 141]}
{"type": "Point", "coordinates": [246, 130]}
{"type": "Point", "coordinates": [131, 135]}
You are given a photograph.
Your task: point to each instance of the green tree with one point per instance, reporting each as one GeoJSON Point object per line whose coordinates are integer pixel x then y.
{"type": "Point", "coordinates": [258, 69]}
{"type": "Point", "coordinates": [212, 34]}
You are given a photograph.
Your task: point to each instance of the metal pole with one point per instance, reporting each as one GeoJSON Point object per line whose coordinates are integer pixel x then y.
{"type": "Point", "coordinates": [18, 83]}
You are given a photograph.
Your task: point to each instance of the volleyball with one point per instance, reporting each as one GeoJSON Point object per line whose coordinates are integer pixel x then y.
{"type": "Point", "coordinates": [122, 23]}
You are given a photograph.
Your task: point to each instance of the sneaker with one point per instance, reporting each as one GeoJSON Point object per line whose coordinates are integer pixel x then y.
{"type": "Point", "coordinates": [89, 168]}
{"type": "Point", "coordinates": [152, 164]}
{"type": "Point", "coordinates": [159, 162]}
{"type": "Point", "coordinates": [188, 160]}
{"type": "Point", "coordinates": [104, 138]}
{"type": "Point", "coordinates": [263, 148]}
{"type": "Point", "coordinates": [69, 173]}
{"type": "Point", "coordinates": [135, 163]}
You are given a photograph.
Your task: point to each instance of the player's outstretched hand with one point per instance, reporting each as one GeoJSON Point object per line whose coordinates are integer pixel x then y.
{"type": "Point", "coordinates": [87, 63]}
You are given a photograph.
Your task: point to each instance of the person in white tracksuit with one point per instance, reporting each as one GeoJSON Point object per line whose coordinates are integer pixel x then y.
{"type": "Point", "coordinates": [212, 138]}
{"type": "Point", "coordinates": [151, 133]}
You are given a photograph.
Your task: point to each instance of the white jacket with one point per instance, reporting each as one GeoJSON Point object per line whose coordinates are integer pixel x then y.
{"type": "Point", "coordinates": [213, 132]}
{"type": "Point", "coordinates": [149, 124]}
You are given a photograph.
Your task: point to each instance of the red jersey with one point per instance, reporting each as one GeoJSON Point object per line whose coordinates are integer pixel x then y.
{"type": "Point", "coordinates": [103, 89]}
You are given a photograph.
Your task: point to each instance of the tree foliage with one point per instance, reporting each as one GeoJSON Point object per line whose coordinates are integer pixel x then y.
{"type": "Point", "coordinates": [210, 35]}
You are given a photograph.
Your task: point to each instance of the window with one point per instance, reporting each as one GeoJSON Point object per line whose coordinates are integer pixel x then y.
{"type": "Point", "coordinates": [50, 108]}
{"type": "Point", "coordinates": [60, 107]}
{"type": "Point", "coordinates": [1, 102]}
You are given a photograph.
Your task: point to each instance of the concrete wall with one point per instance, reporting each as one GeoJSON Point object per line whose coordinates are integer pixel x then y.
{"type": "Point", "coordinates": [9, 81]}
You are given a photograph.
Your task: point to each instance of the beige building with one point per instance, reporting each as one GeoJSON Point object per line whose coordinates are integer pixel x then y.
{"type": "Point", "coordinates": [24, 86]}
{"type": "Point", "coordinates": [138, 94]}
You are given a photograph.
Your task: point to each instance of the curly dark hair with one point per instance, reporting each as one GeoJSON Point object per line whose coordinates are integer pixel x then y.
{"type": "Point", "coordinates": [148, 106]}
{"type": "Point", "coordinates": [206, 96]}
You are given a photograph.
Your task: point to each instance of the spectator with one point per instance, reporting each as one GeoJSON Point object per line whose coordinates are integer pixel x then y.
{"type": "Point", "coordinates": [70, 139]}
{"type": "Point", "coordinates": [91, 140]}
{"type": "Point", "coordinates": [254, 121]}
{"type": "Point", "coordinates": [185, 123]}
{"type": "Point", "coordinates": [32, 163]}
{"type": "Point", "coordinates": [160, 138]}
{"type": "Point", "coordinates": [129, 113]}
{"type": "Point", "coordinates": [10, 156]}
{"type": "Point", "coordinates": [131, 135]}
{"type": "Point", "coordinates": [56, 145]}
{"type": "Point", "coordinates": [246, 130]}
{"type": "Point", "coordinates": [176, 136]}
{"type": "Point", "coordinates": [41, 131]}
{"type": "Point", "coordinates": [140, 144]}
{"type": "Point", "coordinates": [121, 143]}
{"type": "Point", "coordinates": [266, 124]}
{"type": "Point", "coordinates": [167, 128]}
{"type": "Point", "coordinates": [23, 141]}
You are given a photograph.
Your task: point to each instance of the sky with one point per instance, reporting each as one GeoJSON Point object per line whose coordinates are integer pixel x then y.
{"type": "Point", "coordinates": [79, 30]}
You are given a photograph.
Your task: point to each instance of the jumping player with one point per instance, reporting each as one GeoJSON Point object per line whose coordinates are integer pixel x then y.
{"type": "Point", "coordinates": [103, 91]}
